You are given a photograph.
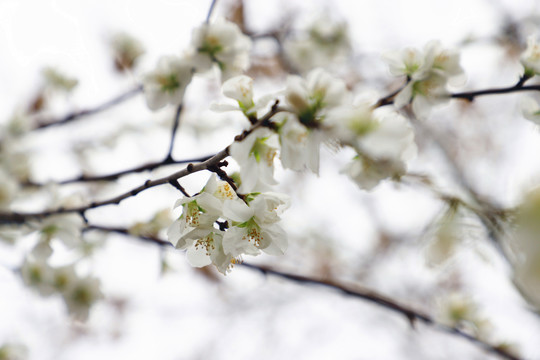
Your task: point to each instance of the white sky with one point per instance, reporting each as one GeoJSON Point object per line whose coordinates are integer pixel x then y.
{"type": "Point", "coordinates": [184, 315]}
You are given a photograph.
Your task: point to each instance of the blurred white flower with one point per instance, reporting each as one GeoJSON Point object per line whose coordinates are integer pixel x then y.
{"type": "Point", "coordinates": [167, 83]}
{"type": "Point", "coordinates": [126, 50]}
{"type": "Point", "coordinates": [64, 227]}
{"type": "Point", "coordinates": [428, 74]}
{"type": "Point", "coordinates": [9, 187]}
{"type": "Point", "coordinates": [222, 43]}
{"type": "Point", "coordinates": [530, 59]}
{"type": "Point", "coordinates": [36, 273]}
{"type": "Point", "coordinates": [324, 43]}
{"type": "Point", "coordinates": [55, 80]}
{"type": "Point", "coordinates": [81, 295]}
{"type": "Point", "coordinates": [13, 351]}
{"type": "Point", "coordinates": [382, 152]}
{"type": "Point", "coordinates": [530, 109]}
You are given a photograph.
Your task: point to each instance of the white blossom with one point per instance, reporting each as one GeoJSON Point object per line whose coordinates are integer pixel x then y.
{"type": "Point", "coordinates": [240, 88]}
{"type": "Point", "coordinates": [220, 42]}
{"type": "Point", "coordinates": [530, 109]}
{"type": "Point", "coordinates": [382, 152]}
{"type": "Point", "coordinates": [81, 295]}
{"type": "Point", "coordinates": [295, 152]}
{"type": "Point", "coordinates": [530, 59]}
{"type": "Point", "coordinates": [324, 43]}
{"type": "Point", "coordinates": [255, 225]}
{"type": "Point", "coordinates": [167, 83]}
{"type": "Point", "coordinates": [428, 73]}
{"type": "Point", "coordinates": [197, 211]}
{"type": "Point", "coordinates": [38, 274]}
{"type": "Point", "coordinates": [206, 248]}
{"type": "Point", "coordinates": [64, 227]}
{"type": "Point", "coordinates": [9, 187]}
{"type": "Point", "coordinates": [255, 155]}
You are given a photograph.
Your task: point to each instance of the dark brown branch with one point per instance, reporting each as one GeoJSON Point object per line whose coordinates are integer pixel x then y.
{"type": "Point", "coordinates": [126, 232]}
{"type": "Point", "coordinates": [368, 295]}
{"type": "Point", "coordinates": [471, 95]}
{"type": "Point", "coordinates": [14, 217]}
{"type": "Point", "coordinates": [41, 124]}
{"type": "Point", "coordinates": [116, 175]}
{"type": "Point", "coordinates": [210, 11]}
{"type": "Point", "coordinates": [173, 132]}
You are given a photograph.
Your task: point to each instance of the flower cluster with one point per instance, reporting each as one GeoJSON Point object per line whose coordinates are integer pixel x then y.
{"type": "Point", "coordinates": [428, 73]}
{"type": "Point", "coordinates": [319, 109]}
{"type": "Point", "coordinates": [220, 43]}
{"type": "Point", "coordinates": [217, 227]}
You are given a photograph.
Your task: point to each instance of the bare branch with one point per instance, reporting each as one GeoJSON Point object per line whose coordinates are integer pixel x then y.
{"type": "Point", "coordinates": [41, 124]}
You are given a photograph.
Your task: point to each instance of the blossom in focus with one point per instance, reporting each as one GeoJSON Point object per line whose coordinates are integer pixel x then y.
{"type": "Point", "coordinates": [167, 83]}
{"type": "Point", "coordinates": [197, 211]}
{"type": "Point", "coordinates": [206, 247]}
{"type": "Point", "coordinates": [255, 225]}
{"type": "Point", "coordinates": [220, 42]}
{"type": "Point", "coordinates": [530, 59]}
{"type": "Point", "coordinates": [255, 155]}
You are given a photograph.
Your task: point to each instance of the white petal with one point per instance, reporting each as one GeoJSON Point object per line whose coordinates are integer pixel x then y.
{"type": "Point", "coordinates": [237, 210]}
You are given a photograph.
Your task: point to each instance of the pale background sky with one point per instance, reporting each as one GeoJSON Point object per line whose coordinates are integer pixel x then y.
{"type": "Point", "coordinates": [245, 316]}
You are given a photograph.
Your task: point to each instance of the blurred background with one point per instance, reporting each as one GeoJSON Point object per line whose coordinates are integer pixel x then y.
{"type": "Point", "coordinates": [390, 239]}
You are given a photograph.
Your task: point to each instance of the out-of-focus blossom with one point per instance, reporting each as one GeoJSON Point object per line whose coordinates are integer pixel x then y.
{"type": "Point", "coordinates": [428, 74]}
{"type": "Point", "coordinates": [168, 82]}
{"type": "Point", "coordinates": [126, 50]}
{"type": "Point", "coordinates": [530, 59]}
{"type": "Point", "coordinates": [324, 43]}
{"type": "Point", "coordinates": [222, 43]}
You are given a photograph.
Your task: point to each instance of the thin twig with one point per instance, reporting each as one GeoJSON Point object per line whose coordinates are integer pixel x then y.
{"type": "Point", "coordinates": [116, 175]}
{"type": "Point", "coordinates": [210, 11]}
{"type": "Point", "coordinates": [126, 232]}
{"type": "Point", "coordinates": [364, 294]}
{"type": "Point", "coordinates": [390, 304]}
{"type": "Point", "coordinates": [91, 111]}
{"type": "Point", "coordinates": [173, 131]}
{"type": "Point", "coordinates": [14, 217]}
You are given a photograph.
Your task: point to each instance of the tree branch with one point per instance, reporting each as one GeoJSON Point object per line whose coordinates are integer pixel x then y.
{"type": "Point", "coordinates": [355, 291]}
{"type": "Point", "coordinates": [116, 175]}
{"type": "Point", "coordinates": [41, 124]}
{"type": "Point", "coordinates": [173, 132]}
{"type": "Point", "coordinates": [215, 160]}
